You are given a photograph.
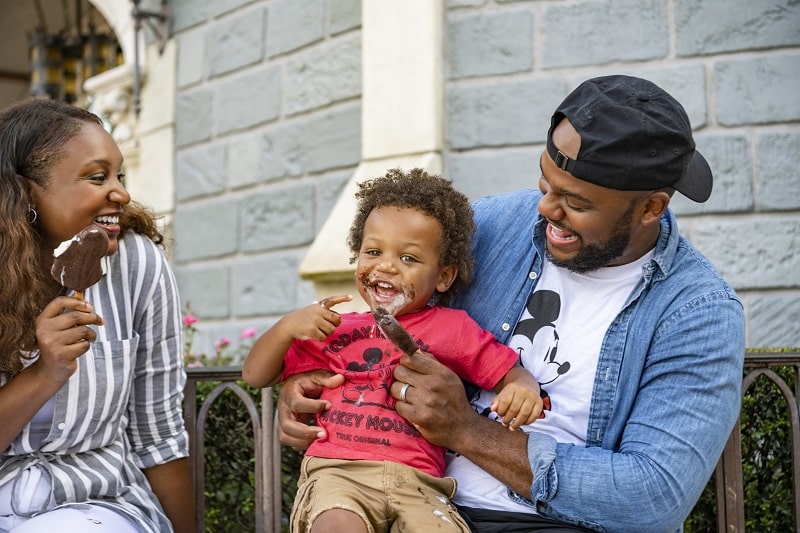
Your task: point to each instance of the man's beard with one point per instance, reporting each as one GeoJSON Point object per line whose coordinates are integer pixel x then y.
{"type": "Point", "coordinates": [593, 256]}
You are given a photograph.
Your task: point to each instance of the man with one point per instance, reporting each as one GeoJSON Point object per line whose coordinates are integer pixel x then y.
{"type": "Point", "coordinates": [637, 341]}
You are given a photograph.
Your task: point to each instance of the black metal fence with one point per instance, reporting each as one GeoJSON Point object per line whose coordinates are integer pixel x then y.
{"type": "Point", "coordinates": [266, 450]}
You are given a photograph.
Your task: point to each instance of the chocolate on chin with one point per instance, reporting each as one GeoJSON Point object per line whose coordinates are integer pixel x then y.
{"type": "Point", "coordinates": [76, 262]}
{"type": "Point", "coordinates": [394, 331]}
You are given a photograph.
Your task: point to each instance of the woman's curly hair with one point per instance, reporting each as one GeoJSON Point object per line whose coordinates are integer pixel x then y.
{"type": "Point", "coordinates": [432, 195]}
{"type": "Point", "coordinates": [33, 133]}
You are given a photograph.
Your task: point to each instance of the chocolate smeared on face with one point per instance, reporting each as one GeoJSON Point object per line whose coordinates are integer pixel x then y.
{"type": "Point", "coordinates": [76, 262]}
{"type": "Point", "coordinates": [380, 293]}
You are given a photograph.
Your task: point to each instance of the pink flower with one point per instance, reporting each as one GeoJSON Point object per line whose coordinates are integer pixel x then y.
{"type": "Point", "coordinates": [248, 333]}
{"type": "Point", "coordinates": [195, 364]}
{"type": "Point", "coordinates": [189, 319]}
{"type": "Point", "coordinates": [224, 342]}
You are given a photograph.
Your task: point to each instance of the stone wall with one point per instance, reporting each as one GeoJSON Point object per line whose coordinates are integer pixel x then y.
{"type": "Point", "coordinates": [268, 131]}
{"type": "Point", "coordinates": [735, 66]}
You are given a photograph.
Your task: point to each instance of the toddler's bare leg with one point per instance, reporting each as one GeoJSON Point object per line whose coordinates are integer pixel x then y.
{"type": "Point", "coordinates": [338, 521]}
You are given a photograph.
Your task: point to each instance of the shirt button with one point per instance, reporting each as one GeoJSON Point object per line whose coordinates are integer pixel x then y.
{"type": "Point", "coordinates": [506, 327]}
{"type": "Point", "coordinates": [532, 275]}
{"type": "Point", "coordinates": [62, 425]}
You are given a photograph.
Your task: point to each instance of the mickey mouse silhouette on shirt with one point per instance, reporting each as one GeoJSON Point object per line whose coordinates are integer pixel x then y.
{"type": "Point", "coordinates": [544, 308]}
{"type": "Point", "coordinates": [368, 383]}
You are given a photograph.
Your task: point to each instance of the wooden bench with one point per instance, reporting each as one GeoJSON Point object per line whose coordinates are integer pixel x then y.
{"type": "Point", "coordinates": [728, 476]}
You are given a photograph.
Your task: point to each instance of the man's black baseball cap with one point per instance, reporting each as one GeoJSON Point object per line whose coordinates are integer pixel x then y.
{"type": "Point", "coordinates": [634, 137]}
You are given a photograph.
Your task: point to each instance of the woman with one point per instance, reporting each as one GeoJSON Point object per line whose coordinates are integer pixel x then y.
{"type": "Point", "coordinates": [91, 427]}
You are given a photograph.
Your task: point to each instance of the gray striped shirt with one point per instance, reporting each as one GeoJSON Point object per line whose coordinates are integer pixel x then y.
{"type": "Point", "coordinates": [120, 411]}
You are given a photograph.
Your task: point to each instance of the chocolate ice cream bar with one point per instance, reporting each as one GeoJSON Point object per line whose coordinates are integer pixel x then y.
{"type": "Point", "coordinates": [394, 331]}
{"type": "Point", "coordinates": [76, 262]}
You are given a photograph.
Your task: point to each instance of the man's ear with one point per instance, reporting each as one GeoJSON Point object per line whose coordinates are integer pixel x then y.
{"type": "Point", "coordinates": [446, 277]}
{"type": "Point", "coordinates": [655, 205]}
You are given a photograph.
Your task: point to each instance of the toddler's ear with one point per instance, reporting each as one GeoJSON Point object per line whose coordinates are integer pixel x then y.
{"type": "Point", "coordinates": [447, 275]}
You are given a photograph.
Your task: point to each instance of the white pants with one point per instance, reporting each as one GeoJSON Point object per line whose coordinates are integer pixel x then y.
{"type": "Point", "coordinates": [80, 518]}
{"type": "Point", "coordinates": [83, 519]}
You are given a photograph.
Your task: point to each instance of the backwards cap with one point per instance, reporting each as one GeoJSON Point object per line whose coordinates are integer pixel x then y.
{"type": "Point", "coordinates": [634, 137]}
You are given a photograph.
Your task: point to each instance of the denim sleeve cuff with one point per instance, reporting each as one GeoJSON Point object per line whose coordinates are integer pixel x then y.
{"type": "Point", "coordinates": [542, 455]}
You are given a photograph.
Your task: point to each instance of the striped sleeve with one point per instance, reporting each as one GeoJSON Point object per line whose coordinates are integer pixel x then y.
{"type": "Point", "coordinates": [156, 428]}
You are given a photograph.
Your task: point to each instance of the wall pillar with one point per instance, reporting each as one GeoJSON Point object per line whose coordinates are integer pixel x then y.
{"type": "Point", "coordinates": [402, 117]}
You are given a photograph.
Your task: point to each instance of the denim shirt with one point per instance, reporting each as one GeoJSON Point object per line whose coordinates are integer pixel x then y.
{"type": "Point", "coordinates": [668, 386]}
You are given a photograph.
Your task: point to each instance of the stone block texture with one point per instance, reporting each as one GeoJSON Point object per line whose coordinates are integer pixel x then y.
{"type": "Point", "coordinates": [235, 42]}
{"type": "Point", "coordinates": [596, 33]}
{"type": "Point", "coordinates": [486, 44]}
{"type": "Point", "coordinates": [758, 90]}
{"type": "Point", "coordinates": [200, 172]}
{"type": "Point", "coordinates": [268, 130]}
{"type": "Point", "coordinates": [710, 27]}
{"type": "Point", "coordinates": [293, 24]}
{"type": "Point", "coordinates": [247, 100]}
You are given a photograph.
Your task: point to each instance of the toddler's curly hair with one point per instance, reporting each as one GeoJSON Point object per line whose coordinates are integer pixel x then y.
{"type": "Point", "coordinates": [432, 195]}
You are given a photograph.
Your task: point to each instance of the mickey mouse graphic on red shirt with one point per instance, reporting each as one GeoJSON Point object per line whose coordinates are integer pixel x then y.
{"type": "Point", "coordinates": [369, 383]}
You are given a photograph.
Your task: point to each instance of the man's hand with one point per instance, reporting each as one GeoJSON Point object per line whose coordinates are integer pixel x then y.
{"type": "Point", "coordinates": [298, 402]}
{"type": "Point", "coordinates": [436, 404]}
{"type": "Point", "coordinates": [435, 401]}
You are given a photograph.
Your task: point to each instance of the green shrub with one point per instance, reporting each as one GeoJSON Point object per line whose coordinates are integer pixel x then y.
{"type": "Point", "coordinates": [229, 469]}
{"type": "Point", "coordinates": [229, 490]}
{"type": "Point", "coordinates": [766, 462]}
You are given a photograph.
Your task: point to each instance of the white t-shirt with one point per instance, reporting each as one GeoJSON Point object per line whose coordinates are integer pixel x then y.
{"type": "Point", "coordinates": [558, 338]}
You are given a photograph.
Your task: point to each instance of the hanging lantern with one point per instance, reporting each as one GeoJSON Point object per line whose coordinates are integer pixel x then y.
{"type": "Point", "coordinates": [46, 64]}
{"type": "Point", "coordinates": [60, 63]}
{"type": "Point", "coordinates": [71, 57]}
{"type": "Point", "coordinates": [95, 53]}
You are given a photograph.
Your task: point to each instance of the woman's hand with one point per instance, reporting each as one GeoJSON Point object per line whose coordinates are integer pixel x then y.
{"type": "Point", "coordinates": [62, 335]}
{"type": "Point", "coordinates": [298, 402]}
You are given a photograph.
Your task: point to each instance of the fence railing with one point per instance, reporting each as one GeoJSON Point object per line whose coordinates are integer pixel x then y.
{"type": "Point", "coordinates": [267, 453]}
{"type": "Point", "coordinates": [729, 477]}
{"type": "Point", "coordinates": [266, 446]}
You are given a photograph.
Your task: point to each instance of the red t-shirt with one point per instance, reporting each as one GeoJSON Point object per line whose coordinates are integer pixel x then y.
{"type": "Point", "coordinates": [362, 422]}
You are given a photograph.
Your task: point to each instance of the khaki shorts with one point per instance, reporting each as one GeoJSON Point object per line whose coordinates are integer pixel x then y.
{"type": "Point", "coordinates": [388, 496]}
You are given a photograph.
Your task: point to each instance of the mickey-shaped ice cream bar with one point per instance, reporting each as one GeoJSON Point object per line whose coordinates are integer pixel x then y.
{"type": "Point", "coordinates": [76, 262]}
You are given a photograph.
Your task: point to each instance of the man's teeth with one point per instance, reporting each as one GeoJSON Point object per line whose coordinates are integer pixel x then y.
{"type": "Point", "coordinates": [107, 220]}
{"type": "Point", "coordinates": [562, 234]}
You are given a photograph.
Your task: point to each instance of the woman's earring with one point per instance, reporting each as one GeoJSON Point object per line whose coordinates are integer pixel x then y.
{"type": "Point", "coordinates": [32, 214]}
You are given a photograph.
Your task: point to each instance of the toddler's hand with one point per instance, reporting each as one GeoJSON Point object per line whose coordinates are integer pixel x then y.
{"type": "Point", "coordinates": [315, 321]}
{"type": "Point", "coordinates": [518, 405]}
